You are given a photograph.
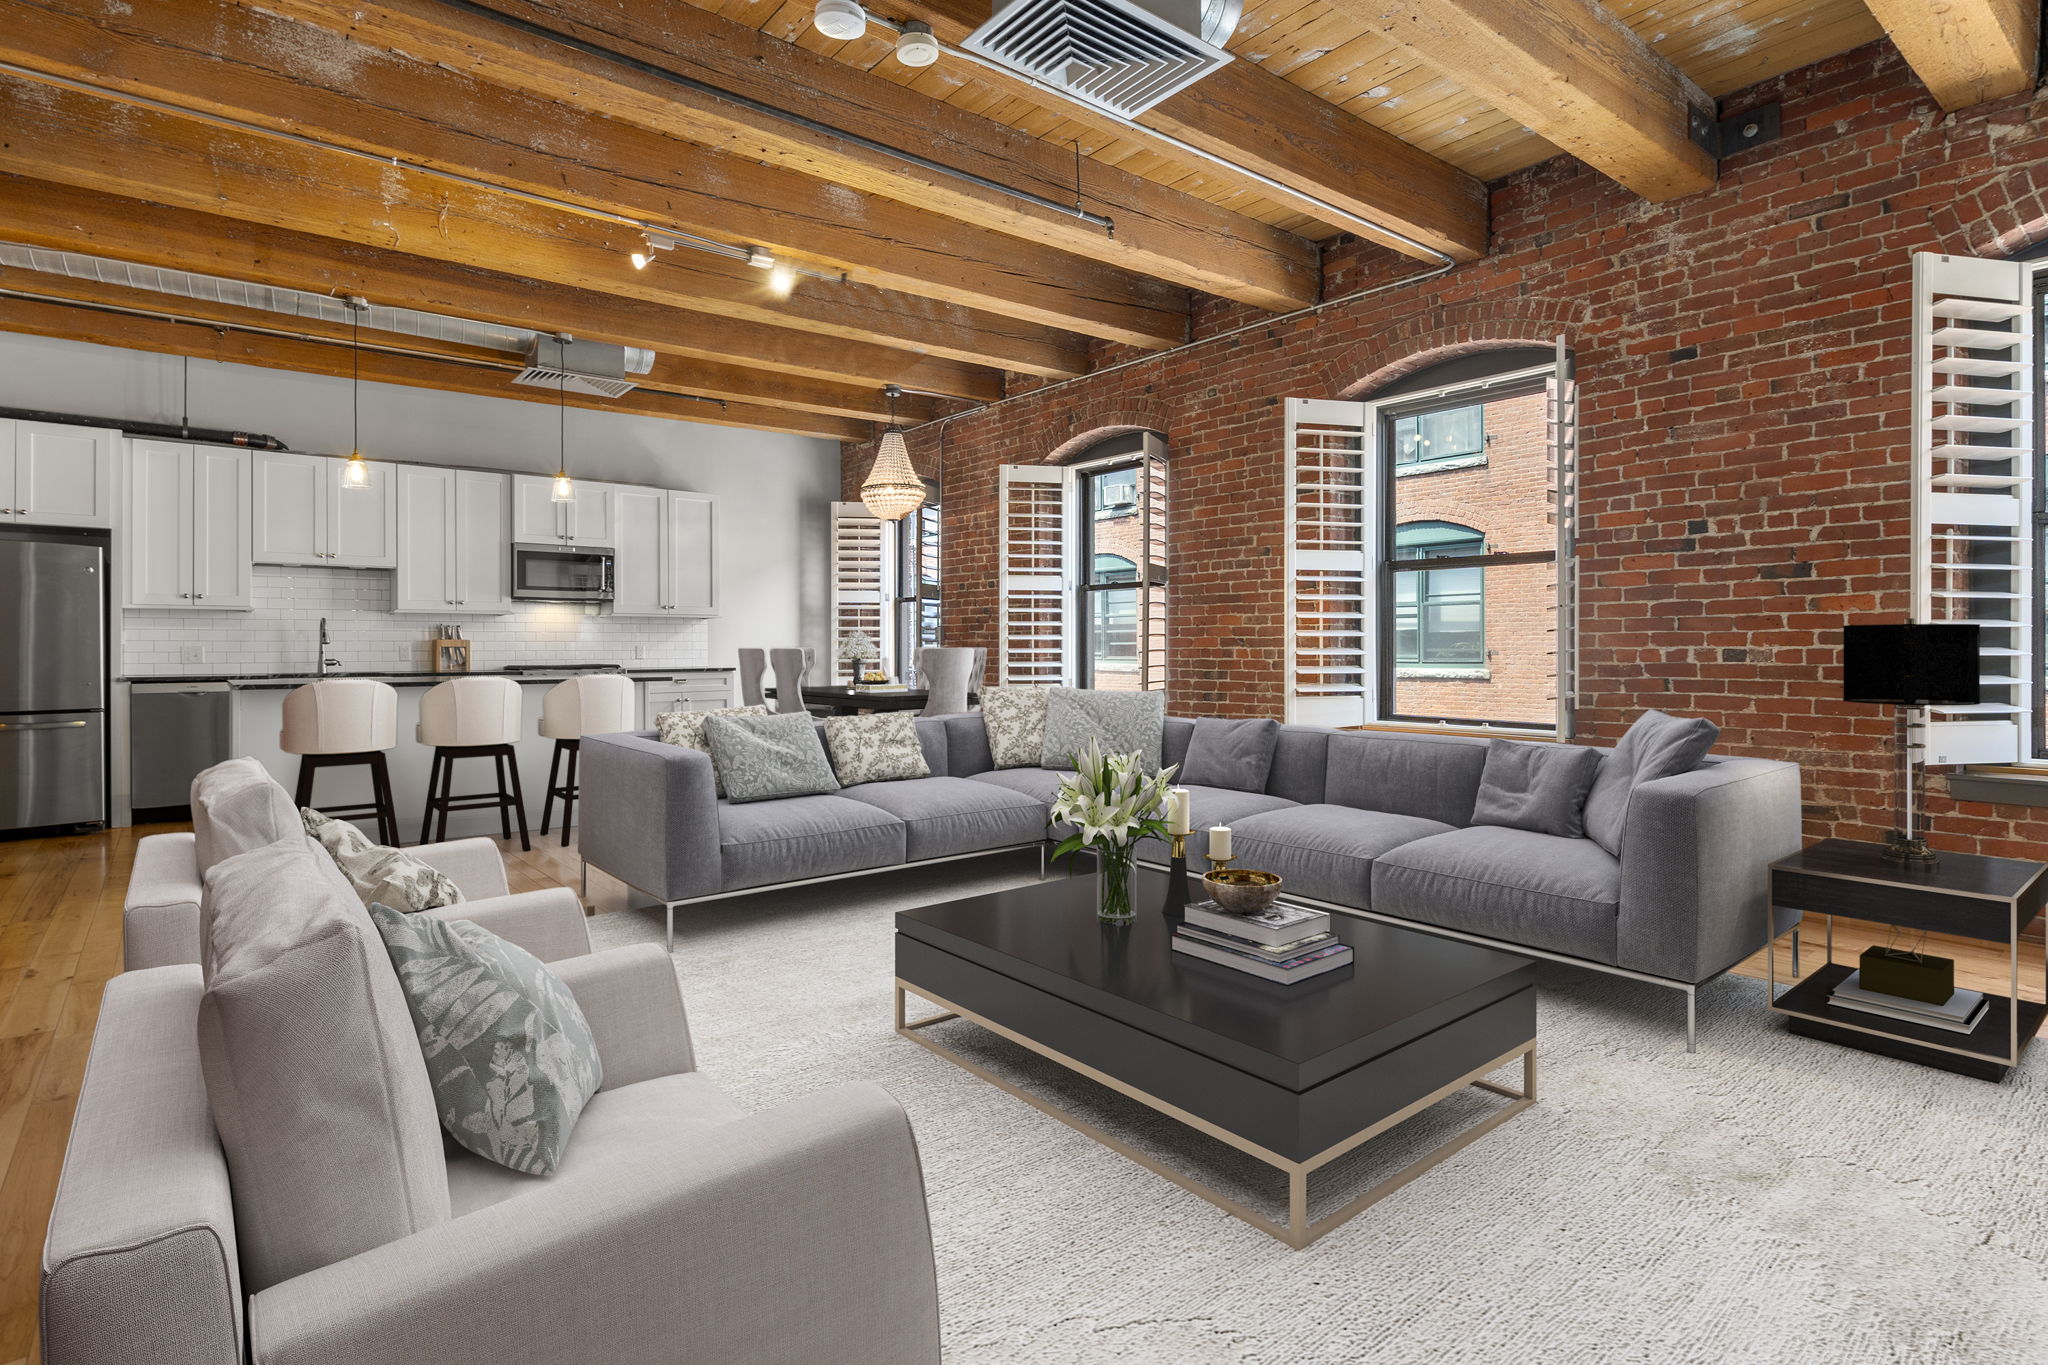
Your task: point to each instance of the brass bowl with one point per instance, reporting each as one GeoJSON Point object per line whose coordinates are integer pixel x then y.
{"type": "Point", "coordinates": [1242, 890]}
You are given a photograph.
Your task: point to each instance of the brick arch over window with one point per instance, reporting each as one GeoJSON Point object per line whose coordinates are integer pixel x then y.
{"type": "Point", "coordinates": [1433, 335]}
{"type": "Point", "coordinates": [1082, 446]}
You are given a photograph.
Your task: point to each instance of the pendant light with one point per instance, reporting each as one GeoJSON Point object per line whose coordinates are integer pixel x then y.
{"type": "Point", "coordinates": [892, 490]}
{"type": "Point", "coordinates": [356, 472]}
{"type": "Point", "coordinates": [565, 487]}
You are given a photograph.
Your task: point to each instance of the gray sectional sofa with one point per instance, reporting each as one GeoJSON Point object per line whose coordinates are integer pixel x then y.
{"type": "Point", "coordinates": [1371, 823]}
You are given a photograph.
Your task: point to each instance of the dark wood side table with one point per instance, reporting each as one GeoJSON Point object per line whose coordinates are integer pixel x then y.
{"type": "Point", "coordinates": [1965, 894]}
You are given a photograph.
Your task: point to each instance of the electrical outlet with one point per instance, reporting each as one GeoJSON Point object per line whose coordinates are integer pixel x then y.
{"type": "Point", "coordinates": [639, 651]}
{"type": "Point", "coordinates": [191, 654]}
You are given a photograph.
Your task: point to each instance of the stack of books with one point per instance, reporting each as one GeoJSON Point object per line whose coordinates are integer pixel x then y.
{"type": "Point", "coordinates": [1960, 1013]}
{"type": "Point", "coordinates": [1283, 943]}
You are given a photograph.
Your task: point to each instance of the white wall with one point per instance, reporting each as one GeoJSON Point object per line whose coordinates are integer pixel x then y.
{"type": "Point", "coordinates": [775, 490]}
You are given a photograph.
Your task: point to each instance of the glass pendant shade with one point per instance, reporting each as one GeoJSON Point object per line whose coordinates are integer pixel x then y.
{"type": "Point", "coordinates": [565, 487]}
{"type": "Point", "coordinates": [356, 472]}
{"type": "Point", "coordinates": [893, 490]}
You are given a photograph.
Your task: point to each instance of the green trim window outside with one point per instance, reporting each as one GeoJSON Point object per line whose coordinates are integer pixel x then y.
{"type": "Point", "coordinates": [1439, 614]}
{"type": "Point", "coordinates": [1449, 434]}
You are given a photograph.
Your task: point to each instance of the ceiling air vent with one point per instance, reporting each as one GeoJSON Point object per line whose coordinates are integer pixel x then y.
{"type": "Point", "coordinates": [578, 366]}
{"type": "Point", "coordinates": [1123, 56]}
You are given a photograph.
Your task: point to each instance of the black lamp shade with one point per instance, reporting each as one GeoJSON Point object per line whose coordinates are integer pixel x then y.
{"type": "Point", "coordinates": [1911, 665]}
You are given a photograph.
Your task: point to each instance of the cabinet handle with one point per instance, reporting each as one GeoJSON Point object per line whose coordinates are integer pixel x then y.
{"type": "Point", "coordinates": [200, 596]}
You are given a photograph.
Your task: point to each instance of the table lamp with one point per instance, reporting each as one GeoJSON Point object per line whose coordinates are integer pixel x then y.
{"type": "Point", "coordinates": [1910, 666]}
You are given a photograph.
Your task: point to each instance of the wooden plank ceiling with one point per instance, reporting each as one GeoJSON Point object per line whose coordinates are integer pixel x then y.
{"type": "Point", "coordinates": [499, 160]}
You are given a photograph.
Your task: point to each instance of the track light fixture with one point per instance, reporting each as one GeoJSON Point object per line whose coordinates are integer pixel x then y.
{"type": "Point", "coordinates": [842, 19]}
{"type": "Point", "coordinates": [651, 242]}
{"type": "Point", "coordinates": [915, 45]}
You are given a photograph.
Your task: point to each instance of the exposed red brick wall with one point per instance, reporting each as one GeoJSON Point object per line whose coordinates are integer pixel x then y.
{"type": "Point", "coordinates": [1743, 361]}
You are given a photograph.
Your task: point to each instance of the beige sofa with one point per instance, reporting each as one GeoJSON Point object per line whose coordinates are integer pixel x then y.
{"type": "Point", "coordinates": [323, 1219]}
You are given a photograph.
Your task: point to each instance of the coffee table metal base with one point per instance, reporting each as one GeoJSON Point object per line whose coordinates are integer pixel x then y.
{"type": "Point", "coordinates": [1298, 1231]}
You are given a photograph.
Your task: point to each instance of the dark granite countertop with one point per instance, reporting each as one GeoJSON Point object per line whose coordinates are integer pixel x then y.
{"type": "Point", "coordinates": [263, 681]}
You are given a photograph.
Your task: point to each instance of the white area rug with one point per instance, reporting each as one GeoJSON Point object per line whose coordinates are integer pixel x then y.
{"type": "Point", "coordinates": [1769, 1199]}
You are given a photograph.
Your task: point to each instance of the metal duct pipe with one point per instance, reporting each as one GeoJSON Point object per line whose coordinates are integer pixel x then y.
{"type": "Point", "coordinates": [167, 431]}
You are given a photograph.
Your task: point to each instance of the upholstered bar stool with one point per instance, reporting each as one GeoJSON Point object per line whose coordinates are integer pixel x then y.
{"type": "Point", "coordinates": [472, 718]}
{"type": "Point", "coordinates": [588, 704]}
{"type": "Point", "coordinates": [344, 723]}
{"type": "Point", "coordinates": [753, 664]}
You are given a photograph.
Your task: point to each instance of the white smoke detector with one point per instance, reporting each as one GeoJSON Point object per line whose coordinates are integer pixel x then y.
{"type": "Point", "coordinates": [1121, 56]}
{"type": "Point", "coordinates": [842, 19]}
{"type": "Point", "coordinates": [915, 45]}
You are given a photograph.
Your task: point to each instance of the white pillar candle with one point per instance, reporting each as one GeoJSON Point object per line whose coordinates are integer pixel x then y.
{"type": "Point", "coordinates": [1219, 841]}
{"type": "Point", "coordinates": [1178, 811]}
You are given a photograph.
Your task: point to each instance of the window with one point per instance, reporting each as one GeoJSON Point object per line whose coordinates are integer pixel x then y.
{"type": "Point", "coordinates": [1451, 434]}
{"type": "Point", "coordinates": [916, 618]}
{"type": "Point", "coordinates": [1439, 614]}
{"type": "Point", "coordinates": [1081, 568]}
{"type": "Point", "coordinates": [1112, 539]}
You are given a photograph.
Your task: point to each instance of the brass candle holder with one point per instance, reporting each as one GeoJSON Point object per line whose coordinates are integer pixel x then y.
{"type": "Point", "coordinates": [1176, 873]}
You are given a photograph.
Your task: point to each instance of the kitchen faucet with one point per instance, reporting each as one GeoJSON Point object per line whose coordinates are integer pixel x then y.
{"type": "Point", "coordinates": [325, 662]}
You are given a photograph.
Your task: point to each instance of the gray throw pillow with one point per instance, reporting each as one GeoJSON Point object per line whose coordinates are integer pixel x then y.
{"type": "Point", "coordinates": [1234, 754]}
{"type": "Point", "coordinates": [1121, 722]}
{"type": "Point", "coordinates": [685, 730]}
{"type": "Point", "coordinates": [378, 873]}
{"type": "Point", "coordinates": [1538, 787]}
{"type": "Point", "coordinates": [507, 1047]}
{"type": "Point", "coordinates": [876, 748]}
{"type": "Point", "coordinates": [1015, 720]}
{"type": "Point", "coordinates": [765, 757]}
{"type": "Point", "coordinates": [1656, 746]}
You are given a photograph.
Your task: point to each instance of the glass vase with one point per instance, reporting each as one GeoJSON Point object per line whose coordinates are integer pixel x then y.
{"type": "Point", "coordinates": [1113, 882]}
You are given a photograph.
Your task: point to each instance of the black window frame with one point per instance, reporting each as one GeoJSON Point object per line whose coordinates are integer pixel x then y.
{"type": "Point", "coordinates": [1479, 394]}
{"type": "Point", "coordinates": [914, 597]}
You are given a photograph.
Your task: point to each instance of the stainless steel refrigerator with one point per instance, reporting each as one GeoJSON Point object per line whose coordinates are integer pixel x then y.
{"type": "Point", "coordinates": [53, 678]}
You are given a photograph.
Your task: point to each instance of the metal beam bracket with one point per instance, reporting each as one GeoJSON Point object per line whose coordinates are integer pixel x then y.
{"type": "Point", "coordinates": [1740, 132]}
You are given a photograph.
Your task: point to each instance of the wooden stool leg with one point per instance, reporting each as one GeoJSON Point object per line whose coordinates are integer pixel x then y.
{"type": "Point", "coordinates": [308, 765]}
{"type": "Point", "coordinates": [547, 805]}
{"type": "Point", "coordinates": [518, 798]}
{"type": "Point", "coordinates": [498, 757]}
{"type": "Point", "coordinates": [441, 802]}
{"type": "Point", "coordinates": [569, 790]}
{"type": "Point", "coordinates": [433, 778]}
{"type": "Point", "coordinates": [387, 811]}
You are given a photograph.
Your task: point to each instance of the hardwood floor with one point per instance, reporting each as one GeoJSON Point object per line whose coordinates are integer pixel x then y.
{"type": "Point", "coordinates": [60, 941]}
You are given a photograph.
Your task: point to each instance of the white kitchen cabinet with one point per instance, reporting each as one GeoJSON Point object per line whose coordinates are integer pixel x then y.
{"type": "Point", "coordinates": [305, 515]}
{"type": "Point", "coordinates": [684, 692]}
{"type": "Point", "coordinates": [52, 474]}
{"type": "Point", "coordinates": [665, 563]}
{"type": "Point", "coordinates": [537, 519]}
{"type": "Point", "coordinates": [453, 554]}
{"type": "Point", "coordinates": [187, 537]}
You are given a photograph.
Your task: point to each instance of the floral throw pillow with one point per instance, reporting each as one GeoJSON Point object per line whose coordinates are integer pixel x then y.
{"type": "Point", "coordinates": [508, 1050]}
{"type": "Point", "coordinates": [685, 730]}
{"type": "Point", "coordinates": [1115, 722]}
{"type": "Point", "coordinates": [377, 873]}
{"type": "Point", "coordinates": [1015, 720]}
{"type": "Point", "coordinates": [876, 748]}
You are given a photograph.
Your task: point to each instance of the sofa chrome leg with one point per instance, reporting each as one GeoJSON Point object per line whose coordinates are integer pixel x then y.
{"type": "Point", "coordinates": [1041, 862]}
{"type": "Point", "coordinates": [586, 877]}
{"type": "Point", "coordinates": [670, 908]}
{"type": "Point", "coordinates": [1692, 1000]}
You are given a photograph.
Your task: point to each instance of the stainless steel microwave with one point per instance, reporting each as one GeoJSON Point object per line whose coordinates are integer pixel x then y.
{"type": "Point", "coordinates": [561, 573]}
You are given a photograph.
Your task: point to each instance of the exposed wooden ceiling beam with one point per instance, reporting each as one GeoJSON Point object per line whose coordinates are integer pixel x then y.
{"type": "Point", "coordinates": [670, 374]}
{"type": "Point", "coordinates": [36, 318]}
{"type": "Point", "coordinates": [45, 213]}
{"type": "Point", "coordinates": [1265, 123]}
{"type": "Point", "coordinates": [1967, 51]}
{"type": "Point", "coordinates": [1158, 231]}
{"type": "Point", "coordinates": [227, 59]}
{"type": "Point", "coordinates": [1574, 74]}
{"type": "Point", "coordinates": [127, 149]}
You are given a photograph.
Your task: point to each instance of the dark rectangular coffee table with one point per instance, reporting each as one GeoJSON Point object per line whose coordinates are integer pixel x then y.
{"type": "Point", "coordinates": [1296, 1075]}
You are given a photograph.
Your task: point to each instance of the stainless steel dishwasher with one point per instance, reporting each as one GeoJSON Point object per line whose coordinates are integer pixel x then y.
{"type": "Point", "coordinates": [175, 730]}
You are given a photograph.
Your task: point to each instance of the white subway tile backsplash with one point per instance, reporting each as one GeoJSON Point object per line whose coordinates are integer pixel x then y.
{"type": "Point", "coordinates": [282, 633]}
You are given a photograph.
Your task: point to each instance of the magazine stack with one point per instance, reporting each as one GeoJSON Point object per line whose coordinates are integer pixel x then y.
{"type": "Point", "coordinates": [1284, 943]}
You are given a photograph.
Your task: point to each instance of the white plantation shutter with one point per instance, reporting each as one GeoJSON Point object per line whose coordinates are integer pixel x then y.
{"type": "Point", "coordinates": [1333, 535]}
{"type": "Point", "coordinates": [1152, 571]}
{"type": "Point", "coordinates": [1561, 432]}
{"type": "Point", "coordinates": [1973, 444]}
{"type": "Point", "coordinates": [1036, 568]}
{"type": "Point", "coordinates": [861, 590]}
